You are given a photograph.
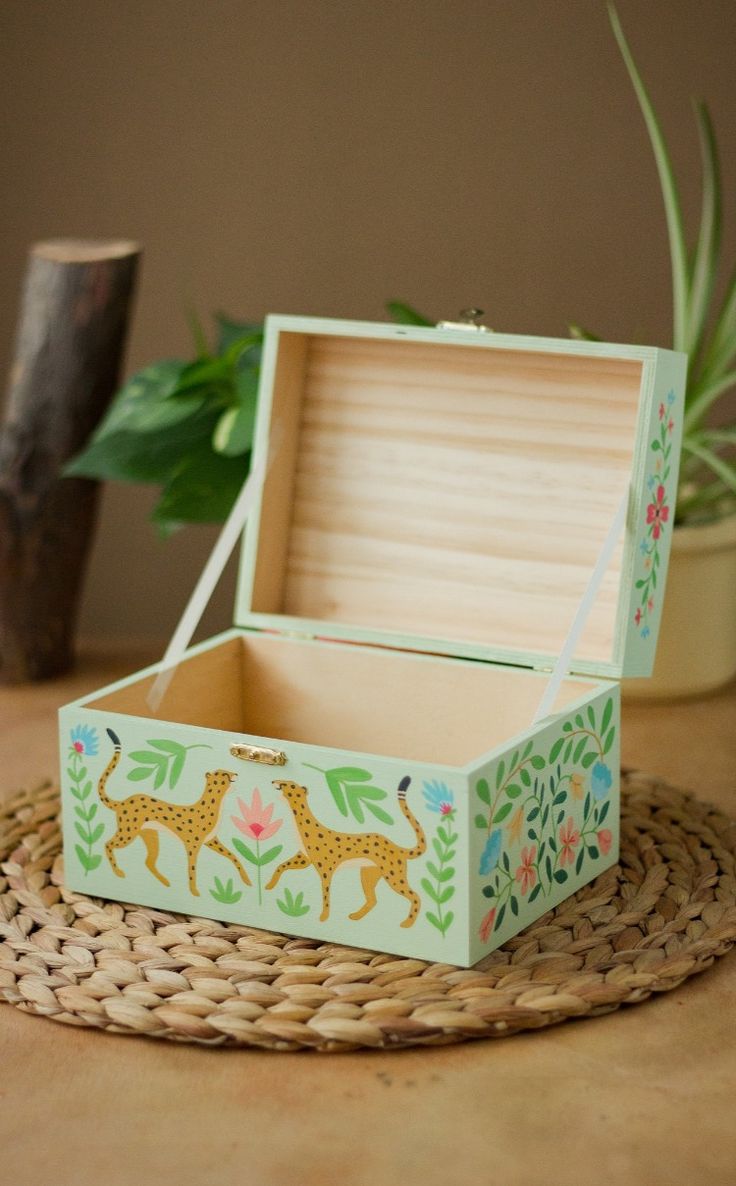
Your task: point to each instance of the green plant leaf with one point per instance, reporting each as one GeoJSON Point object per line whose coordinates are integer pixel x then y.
{"type": "Point", "coordinates": [270, 854]}
{"type": "Point", "coordinates": [581, 334]}
{"type": "Point", "coordinates": [404, 314]}
{"type": "Point", "coordinates": [723, 469]}
{"type": "Point", "coordinates": [233, 433]}
{"type": "Point", "coordinates": [670, 195]}
{"type": "Point", "coordinates": [201, 489]}
{"type": "Point", "coordinates": [708, 245]}
{"type": "Point", "coordinates": [502, 813]}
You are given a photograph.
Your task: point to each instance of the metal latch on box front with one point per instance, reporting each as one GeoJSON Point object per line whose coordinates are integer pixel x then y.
{"type": "Point", "coordinates": [467, 320]}
{"type": "Point", "coordinates": [258, 753]}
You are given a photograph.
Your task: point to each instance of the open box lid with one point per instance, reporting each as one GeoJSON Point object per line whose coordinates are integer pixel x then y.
{"type": "Point", "coordinates": [449, 490]}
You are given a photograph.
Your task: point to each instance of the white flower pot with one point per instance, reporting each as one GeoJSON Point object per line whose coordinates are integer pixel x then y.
{"type": "Point", "coordinates": [697, 640]}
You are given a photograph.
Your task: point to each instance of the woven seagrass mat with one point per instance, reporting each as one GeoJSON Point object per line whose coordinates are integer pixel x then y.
{"type": "Point", "coordinates": [663, 914]}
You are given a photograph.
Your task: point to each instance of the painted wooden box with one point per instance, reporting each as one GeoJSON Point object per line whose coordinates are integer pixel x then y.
{"type": "Point", "coordinates": [360, 758]}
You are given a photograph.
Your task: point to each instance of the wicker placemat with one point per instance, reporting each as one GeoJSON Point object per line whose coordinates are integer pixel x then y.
{"type": "Point", "coordinates": [663, 914]}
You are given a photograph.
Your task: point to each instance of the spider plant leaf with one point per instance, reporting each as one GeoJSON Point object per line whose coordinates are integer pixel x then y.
{"type": "Point", "coordinates": [722, 348]}
{"type": "Point", "coordinates": [673, 211]}
{"type": "Point", "coordinates": [705, 260]}
{"type": "Point", "coordinates": [704, 397]}
{"type": "Point", "coordinates": [404, 314]}
{"type": "Point", "coordinates": [723, 469]}
{"type": "Point", "coordinates": [581, 334]}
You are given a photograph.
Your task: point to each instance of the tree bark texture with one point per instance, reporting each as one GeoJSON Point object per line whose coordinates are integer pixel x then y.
{"type": "Point", "coordinates": [71, 335]}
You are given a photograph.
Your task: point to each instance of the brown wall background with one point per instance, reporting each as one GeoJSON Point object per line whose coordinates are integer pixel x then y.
{"type": "Point", "coordinates": [321, 156]}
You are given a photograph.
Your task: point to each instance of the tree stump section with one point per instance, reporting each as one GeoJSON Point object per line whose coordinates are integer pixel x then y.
{"type": "Point", "coordinates": [71, 335]}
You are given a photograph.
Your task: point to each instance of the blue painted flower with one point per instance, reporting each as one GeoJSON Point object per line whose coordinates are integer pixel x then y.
{"type": "Point", "coordinates": [438, 797]}
{"type": "Point", "coordinates": [645, 632]}
{"type": "Point", "coordinates": [600, 780]}
{"type": "Point", "coordinates": [651, 482]}
{"type": "Point", "coordinates": [643, 548]}
{"type": "Point", "coordinates": [670, 397]}
{"type": "Point", "coordinates": [85, 740]}
{"type": "Point", "coordinates": [491, 853]}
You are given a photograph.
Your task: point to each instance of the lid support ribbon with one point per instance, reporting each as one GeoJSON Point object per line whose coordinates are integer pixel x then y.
{"type": "Point", "coordinates": [562, 666]}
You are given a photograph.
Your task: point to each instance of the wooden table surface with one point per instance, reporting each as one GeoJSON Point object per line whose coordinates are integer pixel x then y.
{"type": "Point", "coordinates": [641, 1097]}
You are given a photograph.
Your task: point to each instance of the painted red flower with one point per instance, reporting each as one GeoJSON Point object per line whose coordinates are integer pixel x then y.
{"type": "Point", "coordinates": [670, 425]}
{"type": "Point", "coordinates": [486, 927]}
{"type": "Point", "coordinates": [658, 512]}
{"type": "Point", "coordinates": [526, 874]}
{"type": "Point", "coordinates": [569, 839]}
{"type": "Point", "coordinates": [637, 617]}
{"type": "Point", "coordinates": [255, 819]}
{"type": "Point", "coordinates": [605, 840]}
{"type": "Point", "coordinates": [662, 411]}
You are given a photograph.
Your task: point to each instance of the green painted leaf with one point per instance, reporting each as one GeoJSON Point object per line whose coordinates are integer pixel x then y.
{"type": "Point", "coordinates": [527, 750]}
{"type": "Point", "coordinates": [95, 836]}
{"type": "Point", "coordinates": [82, 832]}
{"type": "Point", "coordinates": [146, 757]}
{"type": "Point", "coordinates": [500, 771]}
{"type": "Point", "coordinates": [593, 851]}
{"type": "Point", "coordinates": [270, 854]}
{"type": "Point", "coordinates": [556, 750]}
{"type": "Point", "coordinates": [591, 716]}
{"type": "Point", "coordinates": [160, 778]}
{"type": "Point", "coordinates": [488, 891]}
{"type": "Point", "coordinates": [505, 861]}
{"type": "Point", "coordinates": [568, 750]}
{"type": "Point", "coordinates": [559, 798]}
{"type": "Point", "coordinates": [139, 773]}
{"type": "Point", "coordinates": [445, 834]}
{"type": "Point", "coordinates": [93, 862]}
{"type": "Point", "coordinates": [567, 727]}
{"type": "Point", "coordinates": [532, 833]}
{"type": "Point", "coordinates": [379, 813]}
{"type": "Point", "coordinates": [436, 922]}
{"type": "Point", "coordinates": [535, 892]}
{"type": "Point", "coordinates": [481, 821]}
{"type": "Point", "coordinates": [355, 806]}
{"type": "Point", "coordinates": [335, 786]}
{"type": "Point", "coordinates": [84, 859]}
{"type": "Point", "coordinates": [177, 767]}
{"type": "Point", "coordinates": [438, 848]}
{"type": "Point", "coordinates": [513, 790]}
{"type": "Point", "coordinates": [580, 749]}
{"type": "Point", "coordinates": [432, 869]}
{"type": "Point", "coordinates": [500, 917]}
{"type": "Point", "coordinates": [446, 894]}
{"type": "Point", "coordinates": [548, 862]}
{"type": "Point", "coordinates": [560, 876]}
{"type": "Point", "coordinates": [483, 791]}
{"type": "Point", "coordinates": [166, 747]}
{"type": "Point", "coordinates": [588, 759]}
{"type": "Point", "coordinates": [525, 776]}
{"type": "Point", "coordinates": [514, 904]}
{"type": "Point", "coordinates": [244, 850]}
{"type": "Point", "coordinates": [448, 920]}
{"type": "Point", "coordinates": [429, 889]}
{"type": "Point", "coordinates": [446, 874]}
{"type": "Point", "coordinates": [538, 762]}
{"type": "Point", "coordinates": [502, 812]}
{"type": "Point", "coordinates": [350, 774]}
{"type": "Point", "coordinates": [607, 714]}
{"type": "Point", "coordinates": [608, 743]}
{"type": "Point", "coordinates": [533, 813]}
{"type": "Point", "coordinates": [604, 811]}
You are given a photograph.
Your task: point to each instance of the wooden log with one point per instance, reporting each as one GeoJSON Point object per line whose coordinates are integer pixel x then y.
{"type": "Point", "coordinates": [71, 334]}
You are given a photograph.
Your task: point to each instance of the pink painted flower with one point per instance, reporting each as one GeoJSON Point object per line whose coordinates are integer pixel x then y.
{"type": "Point", "coordinates": [662, 411]}
{"type": "Point", "coordinates": [650, 604]}
{"type": "Point", "coordinates": [605, 840]}
{"type": "Point", "coordinates": [670, 425]}
{"type": "Point", "coordinates": [526, 874]}
{"type": "Point", "coordinates": [486, 927]}
{"type": "Point", "coordinates": [569, 839]}
{"type": "Point", "coordinates": [445, 808]}
{"type": "Point", "coordinates": [637, 617]}
{"type": "Point", "coordinates": [255, 820]}
{"type": "Point", "coordinates": [658, 512]}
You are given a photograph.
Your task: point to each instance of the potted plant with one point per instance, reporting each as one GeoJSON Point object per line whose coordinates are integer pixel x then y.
{"type": "Point", "coordinates": [697, 643]}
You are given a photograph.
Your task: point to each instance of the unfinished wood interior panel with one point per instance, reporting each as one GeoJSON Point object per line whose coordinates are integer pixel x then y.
{"type": "Point", "coordinates": [453, 491]}
{"type": "Point", "coordinates": [364, 699]}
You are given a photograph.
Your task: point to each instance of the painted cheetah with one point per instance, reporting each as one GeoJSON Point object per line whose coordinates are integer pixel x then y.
{"type": "Point", "coordinates": [326, 850]}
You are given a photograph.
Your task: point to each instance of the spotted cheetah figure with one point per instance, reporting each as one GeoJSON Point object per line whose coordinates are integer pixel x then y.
{"type": "Point", "coordinates": [326, 850]}
{"type": "Point", "coordinates": [194, 824]}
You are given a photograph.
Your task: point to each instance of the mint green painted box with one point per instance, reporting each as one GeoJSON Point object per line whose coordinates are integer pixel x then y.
{"type": "Point", "coordinates": [361, 758]}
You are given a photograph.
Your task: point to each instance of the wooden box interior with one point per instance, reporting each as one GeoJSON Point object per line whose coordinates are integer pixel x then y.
{"type": "Point", "coordinates": [356, 698]}
{"type": "Point", "coordinates": [444, 491]}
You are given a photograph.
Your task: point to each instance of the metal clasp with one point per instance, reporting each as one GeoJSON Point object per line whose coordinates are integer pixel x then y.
{"type": "Point", "coordinates": [258, 753]}
{"type": "Point", "coordinates": [468, 320]}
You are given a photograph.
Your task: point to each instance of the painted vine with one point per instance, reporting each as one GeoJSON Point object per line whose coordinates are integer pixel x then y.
{"type": "Point", "coordinates": [658, 514]}
{"type": "Point", "coordinates": [536, 812]}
